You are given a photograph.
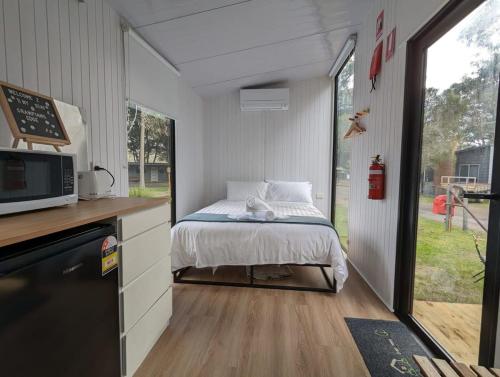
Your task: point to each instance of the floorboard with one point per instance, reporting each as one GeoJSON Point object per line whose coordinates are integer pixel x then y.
{"type": "Point", "coordinates": [228, 331]}
{"type": "Point", "coordinates": [456, 326]}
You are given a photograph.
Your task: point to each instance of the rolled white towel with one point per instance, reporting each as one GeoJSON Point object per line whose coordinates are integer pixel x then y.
{"type": "Point", "coordinates": [255, 215]}
{"type": "Point", "coordinates": [263, 215]}
{"type": "Point", "coordinates": [254, 204]}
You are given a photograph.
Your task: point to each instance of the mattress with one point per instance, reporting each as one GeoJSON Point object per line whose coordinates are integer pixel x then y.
{"type": "Point", "coordinates": [213, 244]}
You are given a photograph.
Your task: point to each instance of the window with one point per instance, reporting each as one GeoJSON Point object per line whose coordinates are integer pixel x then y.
{"type": "Point", "coordinates": [469, 170]}
{"type": "Point", "coordinates": [464, 170]}
{"type": "Point", "coordinates": [151, 154]}
{"type": "Point", "coordinates": [344, 109]}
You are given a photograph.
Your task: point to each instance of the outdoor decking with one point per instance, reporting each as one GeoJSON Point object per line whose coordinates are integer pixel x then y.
{"type": "Point", "coordinates": [455, 326]}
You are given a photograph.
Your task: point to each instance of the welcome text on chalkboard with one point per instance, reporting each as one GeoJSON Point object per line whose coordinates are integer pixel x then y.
{"type": "Point", "coordinates": [32, 117]}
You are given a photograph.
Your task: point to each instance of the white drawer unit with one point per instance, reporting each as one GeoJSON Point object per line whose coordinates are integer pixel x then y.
{"type": "Point", "coordinates": [141, 338]}
{"type": "Point", "coordinates": [139, 222]}
{"type": "Point", "coordinates": [146, 279]}
{"type": "Point", "coordinates": [143, 251]}
{"type": "Point", "coordinates": [142, 293]}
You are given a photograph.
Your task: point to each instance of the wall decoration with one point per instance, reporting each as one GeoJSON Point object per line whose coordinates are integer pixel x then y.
{"type": "Point", "coordinates": [376, 65]}
{"type": "Point", "coordinates": [380, 25]}
{"type": "Point", "coordinates": [32, 117]}
{"type": "Point", "coordinates": [391, 45]}
{"type": "Point", "coordinates": [356, 127]}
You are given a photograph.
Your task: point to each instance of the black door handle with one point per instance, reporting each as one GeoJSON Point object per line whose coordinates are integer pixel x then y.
{"type": "Point", "coordinates": [479, 195]}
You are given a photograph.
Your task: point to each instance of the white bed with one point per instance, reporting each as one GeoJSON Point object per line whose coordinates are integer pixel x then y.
{"type": "Point", "coordinates": [212, 244]}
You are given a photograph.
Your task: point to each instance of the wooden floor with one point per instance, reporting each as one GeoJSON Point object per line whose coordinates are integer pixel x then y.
{"type": "Point", "coordinates": [456, 326]}
{"type": "Point", "coordinates": [247, 332]}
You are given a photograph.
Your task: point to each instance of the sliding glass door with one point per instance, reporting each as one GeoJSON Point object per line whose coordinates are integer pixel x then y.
{"type": "Point", "coordinates": [450, 229]}
{"type": "Point", "coordinates": [344, 109]}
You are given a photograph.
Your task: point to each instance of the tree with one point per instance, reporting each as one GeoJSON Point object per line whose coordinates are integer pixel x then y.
{"type": "Point", "coordinates": [148, 138]}
{"type": "Point", "coordinates": [156, 136]}
{"type": "Point", "coordinates": [464, 114]}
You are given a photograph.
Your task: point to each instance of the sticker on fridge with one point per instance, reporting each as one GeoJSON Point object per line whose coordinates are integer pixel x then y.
{"type": "Point", "coordinates": [109, 255]}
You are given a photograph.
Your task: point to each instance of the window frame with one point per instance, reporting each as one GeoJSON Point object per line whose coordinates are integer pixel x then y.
{"type": "Point", "coordinates": [335, 99]}
{"type": "Point", "coordinates": [468, 169]}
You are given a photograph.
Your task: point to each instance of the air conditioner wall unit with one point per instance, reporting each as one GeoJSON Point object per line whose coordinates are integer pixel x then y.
{"type": "Point", "coordinates": [264, 99]}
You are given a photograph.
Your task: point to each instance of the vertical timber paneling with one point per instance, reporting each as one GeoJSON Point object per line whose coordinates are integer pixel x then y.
{"type": "Point", "coordinates": [42, 54]}
{"type": "Point", "coordinates": [373, 224]}
{"type": "Point", "coordinates": [73, 52]}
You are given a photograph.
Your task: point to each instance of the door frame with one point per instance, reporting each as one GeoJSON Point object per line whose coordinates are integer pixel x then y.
{"type": "Point", "coordinates": [452, 13]}
{"type": "Point", "coordinates": [173, 203]}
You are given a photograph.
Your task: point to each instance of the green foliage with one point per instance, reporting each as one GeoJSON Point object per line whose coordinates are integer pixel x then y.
{"type": "Point", "coordinates": [464, 114]}
{"type": "Point", "coordinates": [149, 192]}
{"type": "Point", "coordinates": [341, 224]}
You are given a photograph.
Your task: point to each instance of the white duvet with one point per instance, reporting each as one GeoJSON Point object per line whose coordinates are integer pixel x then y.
{"type": "Point", "coordinates": [210, 244]}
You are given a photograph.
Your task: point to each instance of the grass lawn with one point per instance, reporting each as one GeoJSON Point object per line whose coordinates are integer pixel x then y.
{"type": "Point", "coordinates": [149, 192]}
{"type": "Point", "coordinates": [341, 224]}
{"type": "Point", "coordinates": [446, 262]}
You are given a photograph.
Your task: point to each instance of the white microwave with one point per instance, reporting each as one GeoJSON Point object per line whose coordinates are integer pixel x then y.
{"type": "Point", "coordinates": [31, 180]}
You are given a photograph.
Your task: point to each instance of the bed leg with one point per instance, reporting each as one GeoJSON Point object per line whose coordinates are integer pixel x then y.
{"type": "Point", "coordinates": [178, 274]}
{"type": "Point", "coordinates": [332, 284]}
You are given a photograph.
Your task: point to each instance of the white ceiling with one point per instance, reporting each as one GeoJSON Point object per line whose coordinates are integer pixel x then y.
{"type": "Point", "coordinates": [222, 45]}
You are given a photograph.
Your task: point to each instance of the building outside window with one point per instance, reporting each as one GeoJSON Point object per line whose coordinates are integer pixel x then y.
{"type": "Point", "coordinates": [150, 152]}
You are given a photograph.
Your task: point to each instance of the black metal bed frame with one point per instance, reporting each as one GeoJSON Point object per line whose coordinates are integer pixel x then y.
{"type": "Point", "coordinates": [332, 284]}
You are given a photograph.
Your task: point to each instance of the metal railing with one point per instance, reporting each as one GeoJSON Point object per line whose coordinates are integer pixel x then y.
{"type": "Point", "coordinates": [467, 183]}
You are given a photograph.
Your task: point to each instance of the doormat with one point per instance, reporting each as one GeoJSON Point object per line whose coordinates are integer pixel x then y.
{"type": "Point", "coordinates": [387, 347]}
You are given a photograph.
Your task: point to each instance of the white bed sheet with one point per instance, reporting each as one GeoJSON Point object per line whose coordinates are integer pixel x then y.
{"type": "Point", "coordinates": [208, 244]}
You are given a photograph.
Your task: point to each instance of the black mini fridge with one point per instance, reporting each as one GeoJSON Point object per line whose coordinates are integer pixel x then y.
{"type": "Point", "coordinates": [59, 306]}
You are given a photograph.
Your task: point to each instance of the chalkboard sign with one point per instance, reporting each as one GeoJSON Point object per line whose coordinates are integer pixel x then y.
{"type": "Point", "coordinates": [32, 117]}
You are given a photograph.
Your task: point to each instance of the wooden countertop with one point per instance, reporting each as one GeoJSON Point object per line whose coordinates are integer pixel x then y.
{"type": "Point", "coordinates": [28, 225]}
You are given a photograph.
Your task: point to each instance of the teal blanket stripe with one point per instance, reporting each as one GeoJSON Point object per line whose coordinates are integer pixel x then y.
{"type": "Point", "coordinates": [222, 218]}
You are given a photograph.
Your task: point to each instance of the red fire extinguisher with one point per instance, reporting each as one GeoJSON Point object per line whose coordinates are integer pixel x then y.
{"type": "Point", "coordinates": [376, 179]}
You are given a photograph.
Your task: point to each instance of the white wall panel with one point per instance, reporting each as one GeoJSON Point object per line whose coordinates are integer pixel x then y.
{"type": "Point", "coordinates": [54, 49]}
{"type": "Point", "coordinates": [65, 41]}
{"type": "Point", "coordinates": [14, 59]}
{"type": "Point", "coordinates": [3, 72]}
{"type": "Point", "coordinates": [42, 39]}
{"type": "Point", "coordinates": [189, 160]}
{"type": "Point", "coordinates": [73, 52]}
{"type": "Point", "coordinates": [373, 224]}
{"type": "Point", "coordinates": [4, 132]}
{"type": "Point", "coordinates": [28, 45]}
{"type": "Point", "coordinates": [288, 145]}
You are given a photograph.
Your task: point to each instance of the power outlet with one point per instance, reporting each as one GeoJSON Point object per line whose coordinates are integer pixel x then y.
{"type": "Point", "coordinates": [320, 195]}
{"type": "Point", "coordinates": [93, 164]}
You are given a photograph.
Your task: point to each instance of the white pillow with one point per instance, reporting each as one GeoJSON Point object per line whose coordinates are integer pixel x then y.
{"type": "Point", "coordinates": [242, 190]}
{"type": "Point", "coordinates": [283, 191]}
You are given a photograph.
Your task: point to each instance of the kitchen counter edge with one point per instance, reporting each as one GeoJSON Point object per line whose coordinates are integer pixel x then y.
{"type": "Point", "coordinates": [28, 225]}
